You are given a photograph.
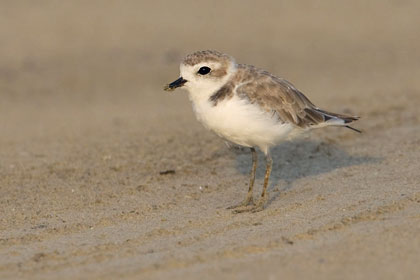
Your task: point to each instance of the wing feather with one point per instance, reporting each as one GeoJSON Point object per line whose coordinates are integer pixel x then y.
{"type": "Point", "coordinates": [279, 96]}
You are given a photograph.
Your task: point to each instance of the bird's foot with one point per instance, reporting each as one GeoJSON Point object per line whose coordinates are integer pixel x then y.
{"type": "Point", "coordinates": [248, 201]}
{"type": "Point", "coordinates": [253, 208]}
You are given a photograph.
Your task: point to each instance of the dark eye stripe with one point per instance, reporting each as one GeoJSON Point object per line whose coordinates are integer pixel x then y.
{"type": "Point", "coordinates": [204, 70]}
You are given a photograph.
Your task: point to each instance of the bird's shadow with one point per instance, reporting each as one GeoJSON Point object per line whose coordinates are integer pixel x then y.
{"type": "Point", "coordinates": [298, 159]}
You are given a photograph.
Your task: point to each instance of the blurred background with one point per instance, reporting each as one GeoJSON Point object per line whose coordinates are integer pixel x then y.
{"type": "Point", "coordinates": [63, 63]}
{"type": "Point", "coordinates": [86, 129]}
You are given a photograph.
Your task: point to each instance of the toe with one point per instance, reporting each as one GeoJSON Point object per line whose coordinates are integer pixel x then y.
{"type": "Point", "coordinates": [257, 209]}
{"type": "Point", "coordinates": [246, 202]}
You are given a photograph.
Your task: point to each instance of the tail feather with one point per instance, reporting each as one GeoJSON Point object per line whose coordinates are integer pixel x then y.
{"type": "Point", "coordinates": [333, 116]}
{"type": "Point", "coordinates": [345, 118]}
{"type": "Point", "coordinates": [354, 129]}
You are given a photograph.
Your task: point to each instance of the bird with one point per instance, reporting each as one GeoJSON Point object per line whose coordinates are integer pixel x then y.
{"type": "Point", "coordinates": [249, 107]}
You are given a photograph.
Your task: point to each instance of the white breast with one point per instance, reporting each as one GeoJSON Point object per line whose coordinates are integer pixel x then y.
{"type": "Point", "coordinates": [242, 123]}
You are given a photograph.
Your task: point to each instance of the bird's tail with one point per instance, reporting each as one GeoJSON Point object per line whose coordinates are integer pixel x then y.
{"type": "Point", "coordinates": [338, 119]}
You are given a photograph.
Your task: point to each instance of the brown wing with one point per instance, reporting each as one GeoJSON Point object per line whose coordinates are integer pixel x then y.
{"type": "Point", "coordinates": [280, 97]}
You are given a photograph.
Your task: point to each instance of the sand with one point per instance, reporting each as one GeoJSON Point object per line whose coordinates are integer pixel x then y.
{"type": "Point", "coordinates": [86, 131]}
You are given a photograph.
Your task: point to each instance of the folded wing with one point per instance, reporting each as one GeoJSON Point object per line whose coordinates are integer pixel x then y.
{"type": "Point", "coordinates": [289, 105]}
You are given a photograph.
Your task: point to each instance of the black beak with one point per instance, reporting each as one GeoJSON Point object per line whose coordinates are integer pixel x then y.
{"type": "Point", "coordinates": [178, 83]}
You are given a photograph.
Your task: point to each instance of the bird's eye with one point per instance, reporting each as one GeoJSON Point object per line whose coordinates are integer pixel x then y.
{"type": "Point", "coordinates": [204, 70]}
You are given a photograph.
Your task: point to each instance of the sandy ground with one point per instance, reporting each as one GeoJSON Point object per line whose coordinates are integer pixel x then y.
{"type": "Point", "coordinates": [86, 130]}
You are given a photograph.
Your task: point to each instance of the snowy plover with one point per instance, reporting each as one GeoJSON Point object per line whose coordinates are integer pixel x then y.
{"type": "Point", "coordinates": [249, 107]}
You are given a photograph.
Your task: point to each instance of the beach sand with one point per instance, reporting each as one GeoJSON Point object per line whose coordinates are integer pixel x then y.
{"type": "Point", "coordinates": [103, 175]}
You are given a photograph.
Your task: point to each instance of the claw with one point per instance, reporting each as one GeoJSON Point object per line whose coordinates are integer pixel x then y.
{"type": "Point", "coordinates": [248, 201]}
{"type": "Point", "coordinates": [255, 207]}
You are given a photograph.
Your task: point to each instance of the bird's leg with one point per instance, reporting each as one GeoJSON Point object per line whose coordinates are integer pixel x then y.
{"type": "Point", "coordinates": [264, 196]}
{"type": "Point", "coordinates": [249, 199]}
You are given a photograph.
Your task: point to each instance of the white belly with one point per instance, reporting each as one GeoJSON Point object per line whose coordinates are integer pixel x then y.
{"type": "Point", "coordinates": [242, 123]}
